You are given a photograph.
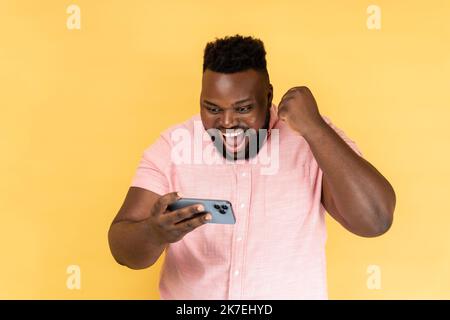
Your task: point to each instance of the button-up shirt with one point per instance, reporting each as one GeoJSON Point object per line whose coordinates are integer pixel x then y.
{"type": "Point", "coordinates": [276, 248]}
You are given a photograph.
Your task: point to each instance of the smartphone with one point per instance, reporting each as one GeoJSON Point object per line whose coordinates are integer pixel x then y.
{"type": "Point", "coordinates": [221, 210]}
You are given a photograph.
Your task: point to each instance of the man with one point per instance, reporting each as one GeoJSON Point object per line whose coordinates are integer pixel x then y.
{"type": "Point", "coordinates": [276, 249]}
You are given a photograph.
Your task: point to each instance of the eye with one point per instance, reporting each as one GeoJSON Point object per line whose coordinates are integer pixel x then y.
{"type": "Point", "coordinates": [244, 109]}
{"type": "Point", "coordinates": [212, 110]}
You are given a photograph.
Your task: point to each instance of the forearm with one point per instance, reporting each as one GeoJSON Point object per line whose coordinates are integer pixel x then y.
{"type": "Point", "coordinates": [132, 244]}
{"type": "Point", "coordinates": [363, 197]}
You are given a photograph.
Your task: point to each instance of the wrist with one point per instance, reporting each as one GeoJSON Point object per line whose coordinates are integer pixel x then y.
{"type": "Point", "coordinates": [152, 234]}
{"type": "Point", "coordinates": [316, 130]}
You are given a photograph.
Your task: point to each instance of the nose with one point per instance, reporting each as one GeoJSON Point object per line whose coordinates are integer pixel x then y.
{"type": "Point", "coordinates": [228, 120]}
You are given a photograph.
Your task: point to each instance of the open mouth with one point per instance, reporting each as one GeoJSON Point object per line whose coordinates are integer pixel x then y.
{"type": "Point", "coordinates": [234, 140]}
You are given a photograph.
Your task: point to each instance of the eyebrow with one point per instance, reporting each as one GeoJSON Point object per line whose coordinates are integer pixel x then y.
{"type": "Point", "coordinates": [236, 103]}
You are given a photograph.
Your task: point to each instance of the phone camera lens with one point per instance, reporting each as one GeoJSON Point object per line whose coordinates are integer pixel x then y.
{"type": "Point", "coordinates": [222, 211]}
{"type": "Point", "coordinates": [216, 206]}
{"type": "Point", "coordinates": [224, 207]}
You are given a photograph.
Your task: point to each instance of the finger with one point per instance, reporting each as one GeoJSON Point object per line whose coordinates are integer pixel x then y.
{"type": "Point", "coordinates": [304, 89]}
{"type": "Point", "coordinates": [183, 214]}
{"type": "Point", "coordinates": [162, 203]}
{"type": "Point", "coordinates": [290, 92]}
{"type": "Point", "coordinates": [283, 108]}
{"type": "Point", "coordinates": [285, 101]}
{"type": "Point", "coordinates": [193, 223]}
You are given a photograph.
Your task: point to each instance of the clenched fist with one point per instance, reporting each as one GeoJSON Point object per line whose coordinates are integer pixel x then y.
{"type": "Point", "coordinates": [299, 110]}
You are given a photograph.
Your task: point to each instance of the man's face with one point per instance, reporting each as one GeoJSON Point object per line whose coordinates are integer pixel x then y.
{"type": "Point", "coordinates": [233, 104]}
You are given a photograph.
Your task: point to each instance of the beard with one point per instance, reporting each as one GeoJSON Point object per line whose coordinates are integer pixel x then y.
{"type": "Point", "coordinates": [240, 143]}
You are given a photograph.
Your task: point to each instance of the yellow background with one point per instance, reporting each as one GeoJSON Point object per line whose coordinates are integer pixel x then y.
{"type": "Point", "coordinates": [78, 107]}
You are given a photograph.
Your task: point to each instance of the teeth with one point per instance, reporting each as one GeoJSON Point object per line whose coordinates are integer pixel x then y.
{"type": "Point", "coordinates": [233, 133]}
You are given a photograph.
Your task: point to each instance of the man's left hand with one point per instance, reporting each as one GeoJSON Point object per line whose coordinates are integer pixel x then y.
{"type": "Point", "coordinates": [299, 110]}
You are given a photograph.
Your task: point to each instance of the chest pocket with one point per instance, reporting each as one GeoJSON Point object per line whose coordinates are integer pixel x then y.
{"type": "Point", "coordinates": [288, 195]}
{"type": "Point", "coordinates": [212, 182]}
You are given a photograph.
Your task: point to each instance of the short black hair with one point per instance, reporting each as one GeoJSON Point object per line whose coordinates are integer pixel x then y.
{"type": "Point", "coordinates": [234, 54]}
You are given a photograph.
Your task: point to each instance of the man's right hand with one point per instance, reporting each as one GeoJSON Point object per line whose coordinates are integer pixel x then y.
{"type": "Point", "coordinates": [171, 226]}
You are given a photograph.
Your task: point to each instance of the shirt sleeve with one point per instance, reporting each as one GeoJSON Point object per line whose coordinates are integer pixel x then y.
{"type": "Point", "coordinates": [152, 171]}
{"type": "Point", "coordinates": [343, 136]}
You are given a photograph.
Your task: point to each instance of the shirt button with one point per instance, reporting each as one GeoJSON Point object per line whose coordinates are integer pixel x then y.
{"type": "Point", "coordinates": [243, 174]}
{"type": "Point", "coordinates": [242, 205]}
{"type": "Point", "coordinates": [239, 239]}
{"type": "Point", "coordinates": [236, 273]}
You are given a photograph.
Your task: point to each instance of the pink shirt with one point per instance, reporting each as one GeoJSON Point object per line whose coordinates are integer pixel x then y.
{"type": "Point", "coordinates": [276, 249]}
